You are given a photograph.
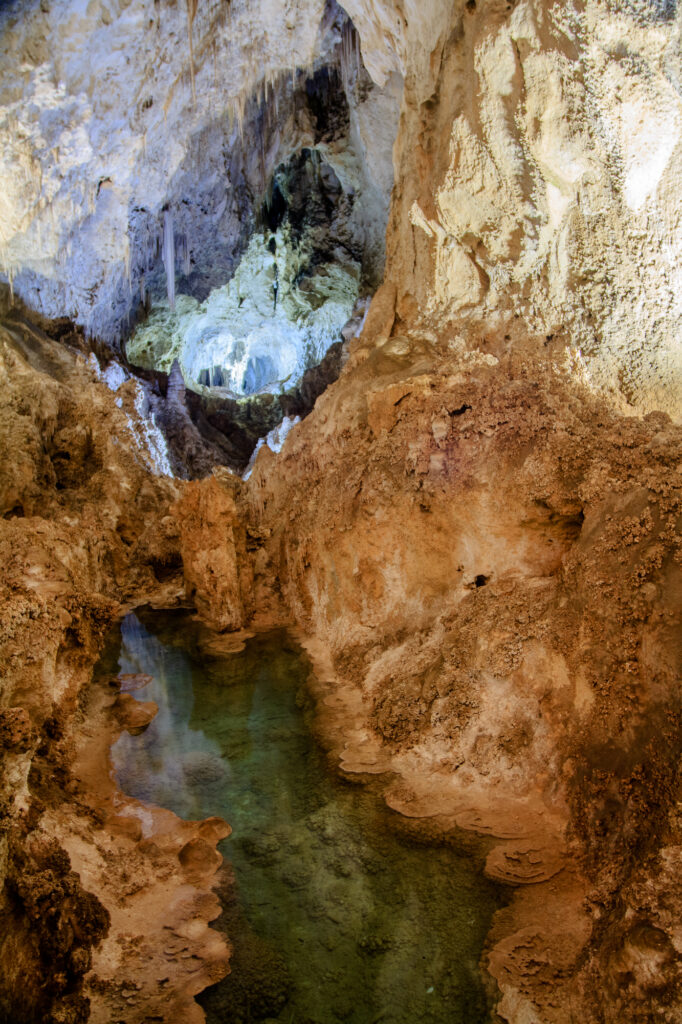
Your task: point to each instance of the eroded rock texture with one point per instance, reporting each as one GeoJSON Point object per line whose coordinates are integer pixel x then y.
{"type": "Point", "coordinates": [476, 531]}
{"type": "Point", "coordinates": [92, 885]}
{"type": "Point", "coordinates": [488, 560]}
{"type": "Point", "coordinates": [537, 172]}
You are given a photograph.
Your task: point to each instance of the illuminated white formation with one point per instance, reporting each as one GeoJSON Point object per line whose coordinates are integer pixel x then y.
{"type": "Point", "coordinates": [243, 337]}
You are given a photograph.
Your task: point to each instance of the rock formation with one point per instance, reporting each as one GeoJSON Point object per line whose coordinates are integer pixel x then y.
{"type": "Point", "coordinates": [476, 531]}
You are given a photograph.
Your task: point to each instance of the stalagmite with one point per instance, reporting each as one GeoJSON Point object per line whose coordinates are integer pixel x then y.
{"type": "Point", "coordinates": [176, 385]}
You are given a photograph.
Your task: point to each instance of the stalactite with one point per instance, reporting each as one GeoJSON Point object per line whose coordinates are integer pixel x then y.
{"type": "Point", "coordinates": [169, 256]}
{"type": "Point", "coordinates": [183, 253]}
{"type": "Point", "coordinates": [350, 58]}
{"type": "Point", "coordinates": [261, 132]}
{"type": "Point", "coordinates": [241, 104]}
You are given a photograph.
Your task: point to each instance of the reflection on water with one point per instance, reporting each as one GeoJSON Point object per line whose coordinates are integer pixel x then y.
{"type": "Point", "coordinates": [334, 916]}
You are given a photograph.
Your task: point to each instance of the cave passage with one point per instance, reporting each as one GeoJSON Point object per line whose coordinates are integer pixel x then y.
{"type": "Point", "coordinates": [293, 291]}
{"type": "Point", "coordinates": [336, 914]}
{"type": "Point", "coordinates": [256, 268]}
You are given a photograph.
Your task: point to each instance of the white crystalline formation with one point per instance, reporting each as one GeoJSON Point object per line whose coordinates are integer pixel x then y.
{"type": "Point", "coordinates": [147, 435]}
{"type": "Point", "coordinates": [274, 441]}
{"type": "Point", "coordinates": [250, 336]}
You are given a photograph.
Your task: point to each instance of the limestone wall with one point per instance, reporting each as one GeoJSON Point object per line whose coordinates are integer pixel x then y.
{"type": "Point", "coordinates": [101, 127]}
{"type": "Point", "coordinates": [537, 175]}
{"type": "Point", "coordinates": [537, 158]}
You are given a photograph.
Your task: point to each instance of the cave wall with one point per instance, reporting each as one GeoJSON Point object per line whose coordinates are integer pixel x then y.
{"type": "Point", "coordinates": [537, 157]}
{"type": "Point", "coordinates": [86, 528]}
{"type": "Point", "coordinates": [99, 112]}
{"type": "Point", "coordinates": [486, 580]}
{"type": "Point", "coordinates": [538, 167]}
{"type": "Point", "coordinates": [105, 122]}
{"type": "Point", "coordinates": [485, 559]}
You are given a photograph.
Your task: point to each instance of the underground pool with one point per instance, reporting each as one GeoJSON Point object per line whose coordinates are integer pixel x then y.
{"type": "Point", "coordinates": [336, 911]}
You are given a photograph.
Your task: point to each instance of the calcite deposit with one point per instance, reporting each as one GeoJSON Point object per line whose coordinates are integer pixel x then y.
{"type": "Point", "coordinates": [476, 532]}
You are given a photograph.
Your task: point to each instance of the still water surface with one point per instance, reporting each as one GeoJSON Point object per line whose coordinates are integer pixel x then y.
{"type": "Point", "coordinates": [336, 913]}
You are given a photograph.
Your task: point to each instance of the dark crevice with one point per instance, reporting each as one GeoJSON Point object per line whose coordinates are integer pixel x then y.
{"type": "Point", "coordinates": [167, 568]}
{"type": "Point", "coordinates": [477, 582]}
{"type": "Point", "coordinates": [462, 409]}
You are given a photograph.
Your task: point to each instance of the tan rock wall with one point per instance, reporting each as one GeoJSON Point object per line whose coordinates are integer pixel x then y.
{"type": "Point", "coordinates": [489, 558]}
{"type": "Point", "coordinates": [537, 174]}
{"type": "Point", "coordinates": [89, 879]}
{"type": "Point", "coordinates": [212, 544]}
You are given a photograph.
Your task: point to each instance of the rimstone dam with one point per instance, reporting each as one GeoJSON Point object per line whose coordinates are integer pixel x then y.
{"type": "Point", "coordinates": [340, 512]}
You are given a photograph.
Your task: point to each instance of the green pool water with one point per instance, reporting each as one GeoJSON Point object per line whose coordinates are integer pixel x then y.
{"type": "Point", "coordinates": [337, 912]}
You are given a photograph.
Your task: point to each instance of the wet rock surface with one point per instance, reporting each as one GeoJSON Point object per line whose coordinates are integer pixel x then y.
{"type": "Point", "coordinates": [488, 671]}
{"type": "Point", "coordinates": [85, 529]}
